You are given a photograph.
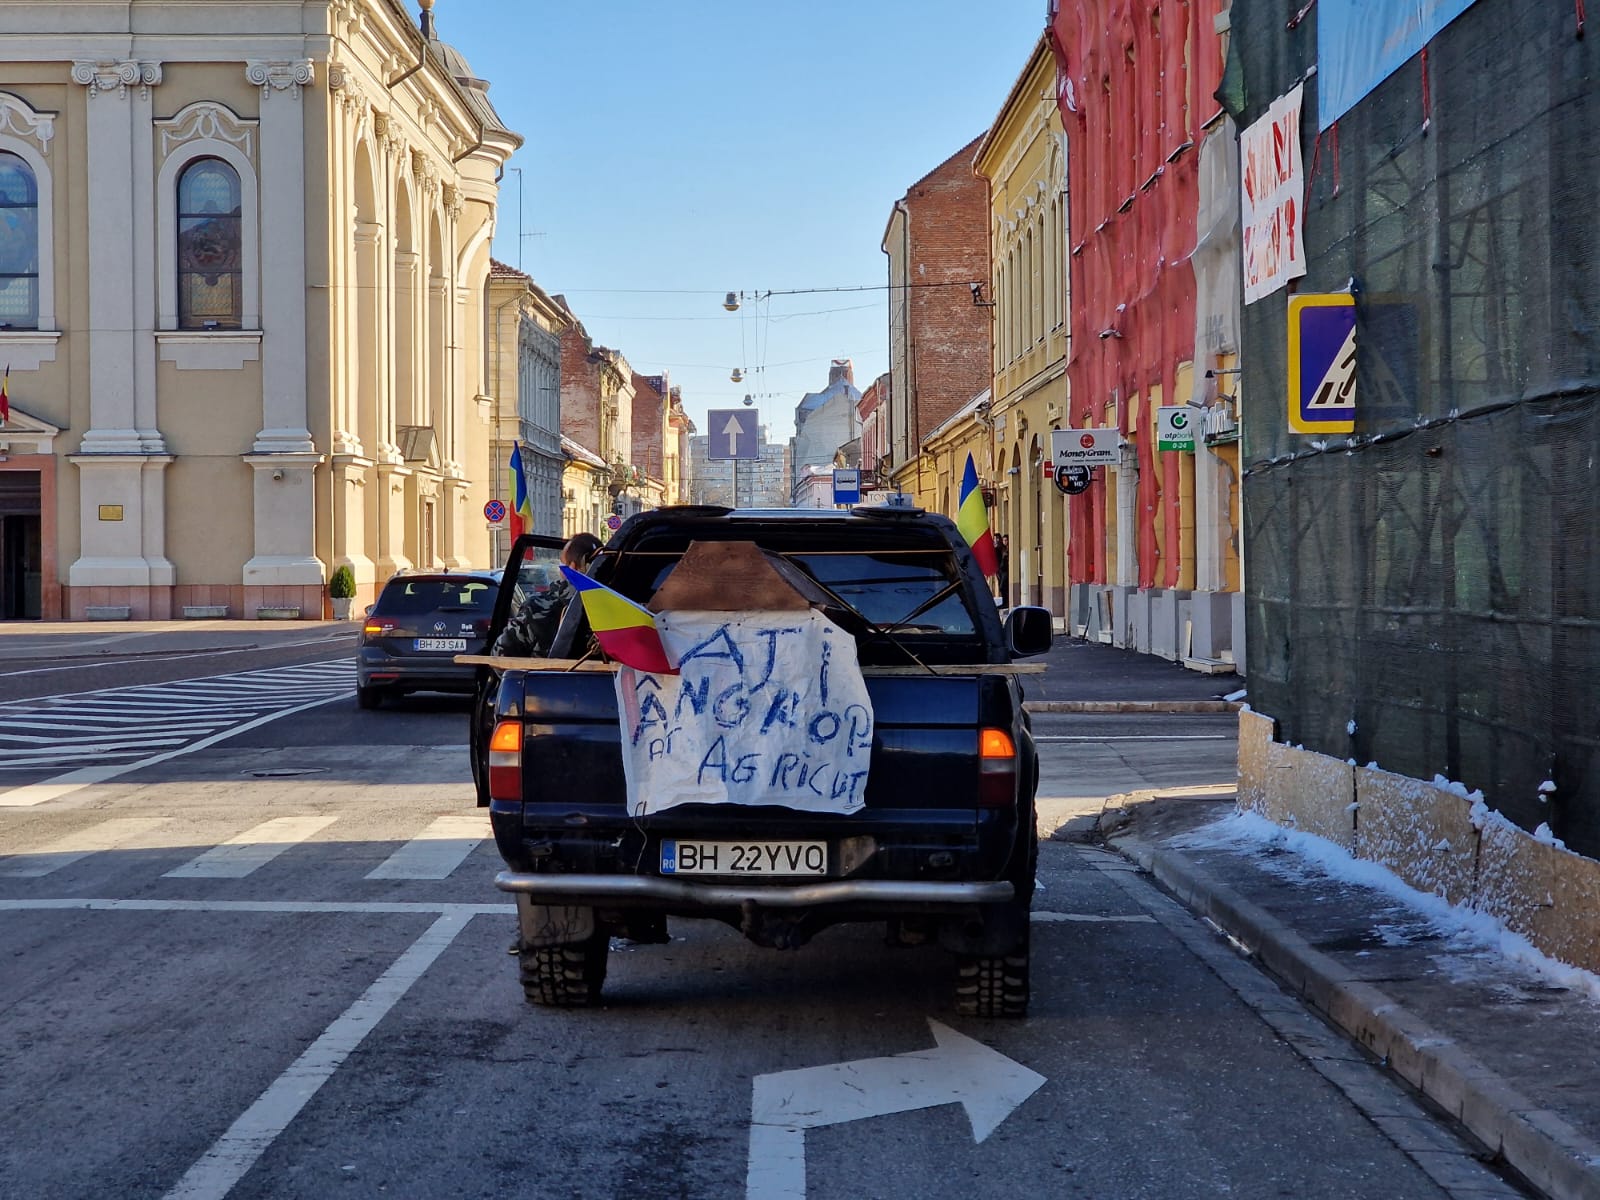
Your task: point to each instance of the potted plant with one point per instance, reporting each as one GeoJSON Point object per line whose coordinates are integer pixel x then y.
{"type": "Point", "coordinates": [341, 590]}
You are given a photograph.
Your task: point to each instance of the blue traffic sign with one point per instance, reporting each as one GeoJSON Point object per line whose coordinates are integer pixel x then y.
{"type": "Point", "coordinates": [734, 433]}
{"type": "Point", "coordinates": [846, 485]}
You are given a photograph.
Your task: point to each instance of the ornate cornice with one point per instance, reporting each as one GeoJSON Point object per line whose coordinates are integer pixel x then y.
{"type": "Point", "coordinates": [21, 119]}
{"type": "Point", "coordinates": [289, 76]}
{"type": "Point", "coordinates": [452, 200]}
{"type": "Point", "coordinates": [207, 120]}
{"type": "Point", "coordinates": [103, 75]}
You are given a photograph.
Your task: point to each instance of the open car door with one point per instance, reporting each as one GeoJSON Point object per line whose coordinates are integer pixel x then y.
{"type": "Point", "coordinates": [532, 567]}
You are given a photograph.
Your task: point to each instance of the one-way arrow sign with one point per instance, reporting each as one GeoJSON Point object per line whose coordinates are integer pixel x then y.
{"type": "Point", "coordinates": [734, 433]}
{"type": "Point", "coordinates": [958, 1070]}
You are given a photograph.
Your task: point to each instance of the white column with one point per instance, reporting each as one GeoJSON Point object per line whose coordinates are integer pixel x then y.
{"type": "Point", "coordinates": [283, 250]}
{"type": "Point", "coordinates": [122, 458]}
{"type": "Point", "coordinates": [284, 456]}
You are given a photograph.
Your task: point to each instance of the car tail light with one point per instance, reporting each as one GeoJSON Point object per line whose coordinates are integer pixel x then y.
{"type": "Point", "coordinates": [997, 769]}
{"type": "Point", "coordinates": [505, 761]}
{"type": "Point", "coordinates": [377, 627]}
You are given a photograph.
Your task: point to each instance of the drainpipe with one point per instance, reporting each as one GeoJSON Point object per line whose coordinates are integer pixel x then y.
{"type": "Point", "coordinates": [426, 25]}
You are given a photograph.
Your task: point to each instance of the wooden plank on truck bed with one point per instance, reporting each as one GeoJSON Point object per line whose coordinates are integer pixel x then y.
{"type": "Point", "coordinates": [504, 663]}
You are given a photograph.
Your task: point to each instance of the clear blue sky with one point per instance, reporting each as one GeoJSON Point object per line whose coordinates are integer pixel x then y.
{"type": "Point", "coordinates": [678, 151]}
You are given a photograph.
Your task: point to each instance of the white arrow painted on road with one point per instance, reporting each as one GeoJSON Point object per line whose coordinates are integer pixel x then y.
{"type": "Point", "coordinates": [733, 429]}
{"type": "Point", "coordinates": [958, 1070]}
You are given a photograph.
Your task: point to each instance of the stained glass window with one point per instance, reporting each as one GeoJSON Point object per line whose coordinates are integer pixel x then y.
{"type": "Point", "coordinates": [19, 244]}
{"type": "Point", "coordinates": [210, 245]}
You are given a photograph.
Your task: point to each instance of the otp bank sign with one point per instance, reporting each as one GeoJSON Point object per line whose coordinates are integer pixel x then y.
{"type": "Point", "coordinates": [1085, 447]}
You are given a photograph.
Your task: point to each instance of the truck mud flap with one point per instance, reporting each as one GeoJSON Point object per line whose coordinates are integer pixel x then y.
{"type": "Point", "coordinates": [552, 924]}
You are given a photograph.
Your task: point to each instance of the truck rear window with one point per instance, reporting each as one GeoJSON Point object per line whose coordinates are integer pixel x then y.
{"type": "Point", "coordinates": [896, 590]}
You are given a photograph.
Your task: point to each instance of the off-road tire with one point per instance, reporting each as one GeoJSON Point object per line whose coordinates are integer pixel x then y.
{"type": "Point", "coordinates": [566, 976]}
{"type": "Point", "coordinates": [993, 987]}
{"type": "Point", "coordinates": [369, 697]}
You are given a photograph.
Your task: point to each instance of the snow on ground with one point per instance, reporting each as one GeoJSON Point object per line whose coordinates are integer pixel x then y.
{"type": "Point", "coordinates": [1466, 929]}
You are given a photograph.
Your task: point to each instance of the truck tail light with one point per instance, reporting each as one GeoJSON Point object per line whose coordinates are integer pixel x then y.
{"type": "Point", "coordinates": [505, 761]}
{"type": "Point", "coordinates": [997, 769]}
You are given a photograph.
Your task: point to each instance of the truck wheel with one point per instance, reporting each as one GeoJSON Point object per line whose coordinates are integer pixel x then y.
{"type": "Point", "coordinates": [994, 987]}
{"type": "Point", "coordinates": [566, 976]}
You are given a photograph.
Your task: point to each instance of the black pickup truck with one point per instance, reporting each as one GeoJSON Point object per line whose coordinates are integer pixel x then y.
{"type": "Point", "coordinates": [943, 848]}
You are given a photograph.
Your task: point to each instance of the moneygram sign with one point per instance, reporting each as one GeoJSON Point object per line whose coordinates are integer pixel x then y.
{"type": "Point", "coordinates": [1085, 447]}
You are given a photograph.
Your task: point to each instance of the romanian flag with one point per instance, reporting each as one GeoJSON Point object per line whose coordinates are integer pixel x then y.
{"type": "Point", "coordinates": [972, 519]}
{"type": "Point", "coordinates": [626, 631]}
{"type": "Point", "coordinates": [5, 401]}
{"type": "Point", "coordinates": [522, 507]}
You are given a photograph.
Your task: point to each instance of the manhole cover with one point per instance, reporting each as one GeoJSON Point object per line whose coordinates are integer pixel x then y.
{"type": "Point", "coordinates": [284, 772]}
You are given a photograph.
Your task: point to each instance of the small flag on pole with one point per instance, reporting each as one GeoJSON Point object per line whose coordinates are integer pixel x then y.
{"type": "Point", "coordinates": [626, 631]}
{"type": "Point", "coordinates": [5, 401]}
{"type": "Point", "coordinates": [521, 507]}
{"type": "Point", "coordinates": [972, 519]}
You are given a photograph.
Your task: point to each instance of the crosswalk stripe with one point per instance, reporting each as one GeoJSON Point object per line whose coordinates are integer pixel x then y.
{"type": "Point", "coordinates": [173, 718]}
{"type": "Point", "coordinates": [106, 835]}
{"type": "Point", "coordinates": [252, 849]}
{"type": "Point", "coordinates": [437, 850]}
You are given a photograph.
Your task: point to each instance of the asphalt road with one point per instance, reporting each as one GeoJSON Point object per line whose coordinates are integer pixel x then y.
{"type": "Point", "coordinates": [275, 966]}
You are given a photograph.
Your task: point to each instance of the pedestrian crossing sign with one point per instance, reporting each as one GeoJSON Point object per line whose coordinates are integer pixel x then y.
{"type": "Point", "coordinates": [1322, 363]}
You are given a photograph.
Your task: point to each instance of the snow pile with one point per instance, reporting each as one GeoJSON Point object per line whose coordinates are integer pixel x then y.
{"type": "Point", "coordinates": [1464, 926]}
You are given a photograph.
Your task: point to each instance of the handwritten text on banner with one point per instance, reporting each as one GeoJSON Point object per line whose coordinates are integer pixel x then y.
{"type": "Point", "coordinates": [767, 708]}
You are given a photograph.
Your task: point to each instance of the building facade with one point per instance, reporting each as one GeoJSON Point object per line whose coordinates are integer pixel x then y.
{"type": "Point", "coordinates": [824, 422]}
{"type": "Point", "coordinates": [524, 350]}
{"type": "Point", "coordinates": [1135, 85]}
{"type": "Point", "coordinates": [1023, 158]}
{"type": "Point", "coordinates": [248, 332]}
{"type": "Point", "coordinates": [762, 482]}
{"type": "Point", "coordinates": [937, 243]}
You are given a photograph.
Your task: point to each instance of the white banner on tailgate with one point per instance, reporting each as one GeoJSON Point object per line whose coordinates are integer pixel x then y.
{"type": "Point", "coordinates": [767, 708]}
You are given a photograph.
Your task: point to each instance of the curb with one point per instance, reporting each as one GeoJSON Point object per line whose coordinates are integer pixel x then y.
{"type": "Point", "coordinates": [28, 656]}
{"type": "Point", "coordinates": [1556, 1158]}
{"type": "Point", "coordinates": [1130, 706]}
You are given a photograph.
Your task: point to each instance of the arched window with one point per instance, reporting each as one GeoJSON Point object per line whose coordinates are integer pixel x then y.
{"type": "Point", "coordinates": [19, 244]}
{"type": "Point", "coordinates": [210, 247]}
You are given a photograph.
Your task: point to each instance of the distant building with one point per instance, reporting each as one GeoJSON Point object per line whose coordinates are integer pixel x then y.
{"type": "Point", "coordinates": [937, 243]}
{"type": "Point", "coordinates": [874, 414]}
{"type": "Point", "coordinates": [749, 483]}
{"type": "Point", "coordinates": [826, 420]}
{"type": "Point", "coordinates": [524, 353]}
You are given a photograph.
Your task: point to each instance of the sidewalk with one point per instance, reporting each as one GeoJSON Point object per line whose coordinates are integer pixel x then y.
{"type": "Point", "coordinates": [1503, 1040]}
{"type": "Point", "coordinates": [21, 640]}
{"type": "Point", "coordinates": [1092, 677]}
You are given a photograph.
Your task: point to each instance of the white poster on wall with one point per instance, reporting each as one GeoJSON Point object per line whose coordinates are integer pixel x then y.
{"type": "Point", "coordinates": [1272, 198]}
{"type": "Point", "coordinates": [766, 708]}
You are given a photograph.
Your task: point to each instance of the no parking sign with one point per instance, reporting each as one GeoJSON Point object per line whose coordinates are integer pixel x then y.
{"type": "Point", "coordinates": [494, 512]}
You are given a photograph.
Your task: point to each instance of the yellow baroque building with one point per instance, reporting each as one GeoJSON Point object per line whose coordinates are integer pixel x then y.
{"type": "Point", "coordinates": [1023, 156]}
{"type": "Point", "coordinates": [242, 299]}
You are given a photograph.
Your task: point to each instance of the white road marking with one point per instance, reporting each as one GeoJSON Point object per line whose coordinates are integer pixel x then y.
{"type": "Point", "coordinates": [252, 849]}
{"type": "Point", "coordinates": [1091, 918]}
{"type": "Point", "coordinates": [237, 1150]}
{"type": "Point", "coordinates": [437, 850]}
{"type": "Point", "coordinates": [107, 835]}
{"type": "Point", "coordinates": [59, 904]}
{"type": "Point", "coordinates": [72, 781]}
{"type": "Point", "coordinates": [958, 1070]}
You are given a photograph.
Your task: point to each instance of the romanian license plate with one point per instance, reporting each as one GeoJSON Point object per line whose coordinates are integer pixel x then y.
{"type": "Point", "coordinates": [441, 644]}
{"type": "Point", "coordinates": [744, 858]}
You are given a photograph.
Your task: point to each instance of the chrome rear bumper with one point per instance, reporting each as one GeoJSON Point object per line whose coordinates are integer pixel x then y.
{"type": "Point", "coordinates": [640, 890]}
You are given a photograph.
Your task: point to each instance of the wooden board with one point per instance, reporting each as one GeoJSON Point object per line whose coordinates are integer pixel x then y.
{"type": "Point", "coordinates": [503, 663]}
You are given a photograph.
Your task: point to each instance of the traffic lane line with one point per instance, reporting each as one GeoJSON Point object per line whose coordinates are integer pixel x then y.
{"type": "Point", "coordinates": [237, 1150]}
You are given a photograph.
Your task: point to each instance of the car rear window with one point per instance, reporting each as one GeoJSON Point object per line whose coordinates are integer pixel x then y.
{"type": "Point", "coordinates": [414, 597]}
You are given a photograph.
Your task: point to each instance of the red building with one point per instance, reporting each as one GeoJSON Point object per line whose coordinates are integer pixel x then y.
{"type": "Point", "coordinates": [1134, 82]}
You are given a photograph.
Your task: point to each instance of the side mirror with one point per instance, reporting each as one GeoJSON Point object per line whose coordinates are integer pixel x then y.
{"type": "Point", "coordinates": [370, 607]}
{"type": "Point", "coordinates": [1029, 630]}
